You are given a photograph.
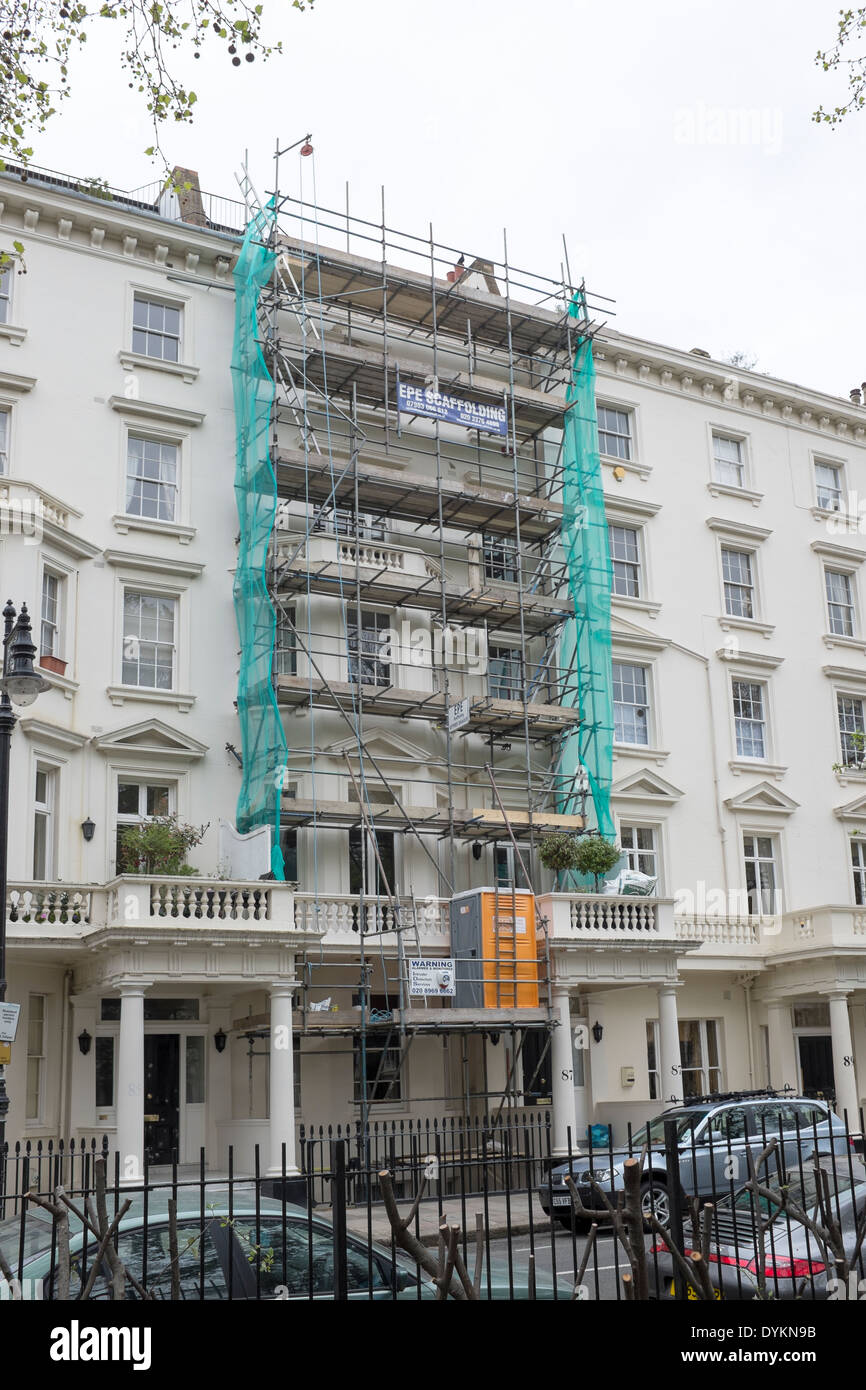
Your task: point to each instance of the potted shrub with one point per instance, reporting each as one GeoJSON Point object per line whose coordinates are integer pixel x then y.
{"type": "Point", "coordinates": [158, 846]}
{"type": "Point", "coordinates": [584, 854]}
{"type": "Point", "coordinates": [595, 855]}
{"type": "Point", "coordinates": [558, 852]}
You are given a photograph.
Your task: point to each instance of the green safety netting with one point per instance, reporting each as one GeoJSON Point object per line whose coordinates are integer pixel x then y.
{"type": "Point", "coordinates": [585, 647]}
{"type": "Point", "coordinates": [263, 742]}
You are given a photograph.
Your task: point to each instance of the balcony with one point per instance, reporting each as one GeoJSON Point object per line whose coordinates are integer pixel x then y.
{"type": "Point", "coordinates": [339, 917]}
{"type": "Point", "coordinates": [41, 907]}
{"type": "Point", "coordinates": [818, 931]}
{"type": "Point", "coordinates": [400, 577]}
{"type": "Point", "coordinates": [73, 911]}
{"type": "Point", "coordinates": [593, 918]}
{"type": "Point", "coordinates": [733, 934]}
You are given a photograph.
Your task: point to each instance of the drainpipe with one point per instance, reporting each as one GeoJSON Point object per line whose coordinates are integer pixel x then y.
{"type": "Point", "coordinates": [63, 1108]}
{"type": "Point", "coordinates": [720, 820]}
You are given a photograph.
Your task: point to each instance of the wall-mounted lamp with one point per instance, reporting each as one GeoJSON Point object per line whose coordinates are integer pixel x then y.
{"type": "Point", "coordinates": [597, 1032]}
{"type": "Point", "coordinates": [220, 1039]}
{"type": "Point", "coordinates": [494, 1038]}
{"type": "Point", "coordinates": [84, 1041]}
{"type": "Point", "coordinates": [87, 829]}
{"type": "Point", "coordinates": [477, 849]}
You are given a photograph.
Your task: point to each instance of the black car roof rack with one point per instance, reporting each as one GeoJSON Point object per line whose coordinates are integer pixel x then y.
{"type": "Point", "coordinates": [715, 1097]}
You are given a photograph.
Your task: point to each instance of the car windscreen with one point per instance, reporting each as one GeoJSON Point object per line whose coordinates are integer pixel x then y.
{"type": "Point", "coordinates": [653, 1134]}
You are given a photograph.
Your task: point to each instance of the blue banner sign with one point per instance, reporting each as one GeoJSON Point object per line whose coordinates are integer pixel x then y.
{"type": "Point", "coordinates": [475, 415]}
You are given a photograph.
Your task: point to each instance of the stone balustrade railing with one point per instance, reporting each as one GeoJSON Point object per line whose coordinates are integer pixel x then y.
{"type": "Point", "coordinates": [613, 917]}
{"type": "Point", "coordinates": [50, 904]}
{"type": "Point", "coordinates": [25, 506]}
{"type": "Point", "coordinates": [371, 555]}
{"type": "Point", "coordinates": [718, 931]}
{"type": "Point", "coordinates": [341, 916]}
{"type": "Point", "coordinates": [153, 900]}
{"type": "Point", "coordinates": [143, 898]}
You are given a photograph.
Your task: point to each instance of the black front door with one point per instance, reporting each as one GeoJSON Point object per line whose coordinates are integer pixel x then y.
{"type": "Point", "coordinates": [161, 1096]}
{"type": "Point", "coordinates": [816, 1064]}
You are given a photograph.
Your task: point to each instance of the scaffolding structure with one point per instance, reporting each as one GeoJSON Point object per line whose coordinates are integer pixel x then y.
{"type": "Point", "coordinates": [424, 578]}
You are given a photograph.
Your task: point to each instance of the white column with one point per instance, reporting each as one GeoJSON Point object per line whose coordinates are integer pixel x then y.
{"type": "Point", "coordinates": [282, 1081]}
{"type": "Point", "coordinates": [130, 1081]}
{"type": "Point", "coordinates": [843, 1059]}
{"type": "Point", "coordinates": [784, 1070]}
{"type": "Point", "coordinates": [562, 1075]}
{"type": "Point", "coordinates": [670, 1075]}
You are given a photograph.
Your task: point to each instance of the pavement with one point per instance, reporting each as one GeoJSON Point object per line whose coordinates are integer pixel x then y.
{"type": "Point", "coordinates": [516, 1214]}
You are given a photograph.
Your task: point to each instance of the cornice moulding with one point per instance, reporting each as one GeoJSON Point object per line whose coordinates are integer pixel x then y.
{"type": "Point", "coordinates": [154, 410]}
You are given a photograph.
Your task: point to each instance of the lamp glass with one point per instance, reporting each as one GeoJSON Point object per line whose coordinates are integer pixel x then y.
{"type": "Point", "coordinates": [22, 690]}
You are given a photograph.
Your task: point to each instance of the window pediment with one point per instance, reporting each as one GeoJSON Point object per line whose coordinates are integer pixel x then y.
{"type": "Point", "coordinates": [763, 797]}
{"type": "Point", "coordinates": [152, 739]}
{"type": "Point", "coordinates": [852, 811]}
{"type": "Point", "coordinates": [644, 785]}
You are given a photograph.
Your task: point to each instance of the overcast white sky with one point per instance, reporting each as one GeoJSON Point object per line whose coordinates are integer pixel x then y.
{"type": "Point", "coordinates": [671, 142]}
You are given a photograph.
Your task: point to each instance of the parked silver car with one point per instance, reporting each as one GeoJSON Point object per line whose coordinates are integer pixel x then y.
{"type": "Point", "coordinates": [713, 1136]}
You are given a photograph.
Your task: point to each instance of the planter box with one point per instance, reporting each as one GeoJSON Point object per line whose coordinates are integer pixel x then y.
{"type": "Point", "coordinates": [53, 663]}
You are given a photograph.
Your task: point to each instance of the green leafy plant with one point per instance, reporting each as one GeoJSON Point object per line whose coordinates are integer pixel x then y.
{"type": "Point", "coordinates": [159, 846]}
{"type": "Point", "coordinates": [851, 26]}
{"type": "Point", "coordinates": [558, 852]}
{"type": "Point", "coordinates": [96, 188]}
{"type": "Point", "coordinates": [595, 855]}
{"type": "Point", "coordinates": [40, 38]}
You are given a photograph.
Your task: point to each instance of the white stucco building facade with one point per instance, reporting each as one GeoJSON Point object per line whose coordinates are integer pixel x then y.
{"type": "Point", "coordinates": [739, 649]}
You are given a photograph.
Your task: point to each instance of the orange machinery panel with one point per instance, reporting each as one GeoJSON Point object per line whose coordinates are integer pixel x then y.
{"type": "Point", "coordinates": [509, 951]}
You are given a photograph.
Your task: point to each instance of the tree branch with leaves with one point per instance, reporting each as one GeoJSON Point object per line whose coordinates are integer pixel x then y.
{"type": "Point", "coordinates": [838, 57]}
{"type": "Point", "coordinates": [39, 40]}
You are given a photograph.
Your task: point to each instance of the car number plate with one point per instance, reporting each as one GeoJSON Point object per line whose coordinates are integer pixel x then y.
{"type": "Point", "coordinates": [693, 1293]}
{"type": "Point", "coordinates": [562, 1199]}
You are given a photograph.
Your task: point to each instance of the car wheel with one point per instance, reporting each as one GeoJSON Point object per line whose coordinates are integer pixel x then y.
{"type": "Point", "coordinates": [654, 1201]}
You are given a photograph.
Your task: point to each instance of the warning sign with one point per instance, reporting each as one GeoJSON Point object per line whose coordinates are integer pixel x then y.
{"type": "Point", "coordinates": [428, 977]}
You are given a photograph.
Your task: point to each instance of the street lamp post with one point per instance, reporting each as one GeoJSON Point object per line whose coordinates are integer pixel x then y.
{"type": "Point", "coordinates": [21, 684]}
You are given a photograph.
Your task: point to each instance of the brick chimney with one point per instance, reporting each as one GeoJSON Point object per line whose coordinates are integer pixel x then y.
{"type": "Point", "coordinates": [191, 207]}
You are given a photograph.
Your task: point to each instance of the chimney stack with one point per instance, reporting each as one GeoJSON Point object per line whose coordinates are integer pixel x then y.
{"type": "Point", "coordinates": [191, 206]}
{"type": "Point", "coordinates": [854, 393]}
